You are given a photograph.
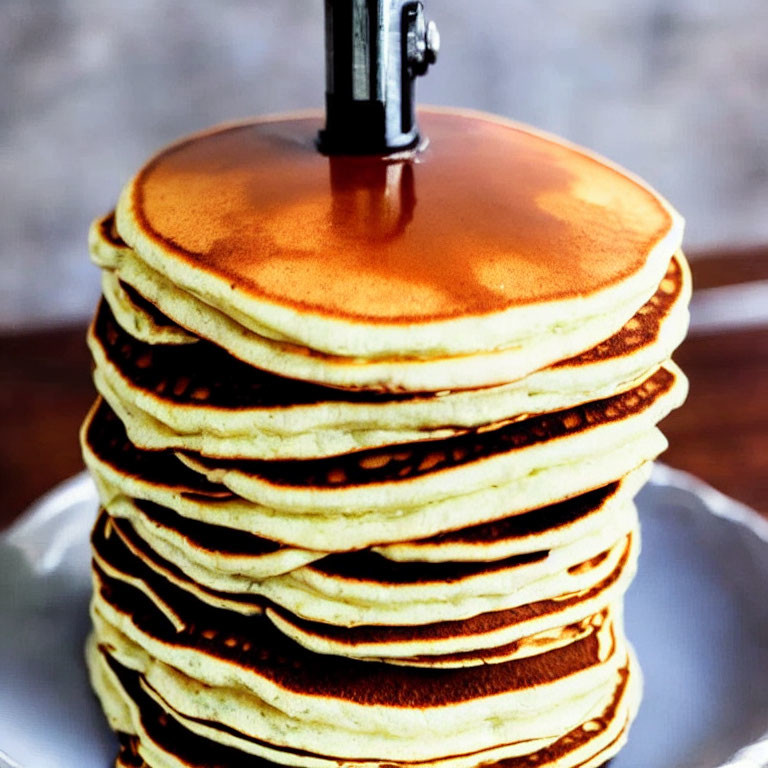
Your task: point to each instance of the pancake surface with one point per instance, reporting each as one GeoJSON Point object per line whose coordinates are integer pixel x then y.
{"type": "Point", "coordinates": [551, 240]}
{"type": "Point", "coordinates": [367, 440]}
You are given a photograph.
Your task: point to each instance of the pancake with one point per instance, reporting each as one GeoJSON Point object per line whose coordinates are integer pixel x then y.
{"type": "Point", "coordinates": [359, 589]}
{"type": "Point", "coordinates": [175, 385]}
{"type": "Point", "coordinates": [105, 434]}
{"type": "Point", "coordinates": [419, 473]}
{"type": "Point", "coordinates": [339, 568]}
{"type": "Point", "coordinates": [166, 741]}
{"type": "Point", "coordinates": [203, 399]}
{"type": "Point", "coordinates": [531, 645]}
{"type": "Point", "coordinates": [594, 585]}
{"type": "Point", "coordinates": [240, 552]}
{"type": "Point", "coordinates": [137, 317]}
{"type": "Point", "coordinates": [151, 434]}
{"type": "Point", "coordinates": [209, 547]}
{"type": "Point", "coordinates": [217, 214]}
{"type": "Point", "coordinates": [121, 470]}
{"type": "Point", "coordinates": [541, 529]}
{"type": "Point", "coordinates": [105, 245]}
{"type": "Point", "coordinates": [482, 639]}
{"type": "Point", "coordinates": [394, 374]}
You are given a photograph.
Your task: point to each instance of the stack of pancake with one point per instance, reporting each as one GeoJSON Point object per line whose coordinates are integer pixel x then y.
{"type": "Point", "coordinates": [367, 440]}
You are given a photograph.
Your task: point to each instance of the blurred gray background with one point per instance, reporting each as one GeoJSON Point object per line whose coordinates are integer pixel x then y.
{"type": "Point", "coordinates": [674, 89]}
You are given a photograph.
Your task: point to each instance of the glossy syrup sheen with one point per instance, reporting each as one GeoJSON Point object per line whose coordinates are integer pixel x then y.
{"type": "Point", "coordinates": [487, 217]}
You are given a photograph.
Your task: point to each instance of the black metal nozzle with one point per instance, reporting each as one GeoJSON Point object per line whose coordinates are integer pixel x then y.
{"type": "Point", "coordinates": [375, 49]}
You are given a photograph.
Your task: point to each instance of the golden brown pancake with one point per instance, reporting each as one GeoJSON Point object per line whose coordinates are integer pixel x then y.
{"type": "Point", "coordinates": [106, 437]}
{"type": "Point", "coordinates": [192, 751]}
{"type": "Point", "coordinates": [112, 535]}
{"type": "Point", "coordinates": [104, 242]}
{"type": "Point", "coordinates": [543, 222]}
{"type": "Point", "coordinates": [522, 526]}
{"type": "Point", "coordinates": [206, 375]}
{"type": "Point", "coordinates": [482, 624]}
{"type": "Point", "coordinates": [486, 638]}
{"type": "Point", "coordinates": [642, 329]}
{"type": "Point", "coordinates": [518, 532]}
{"type": "Point", "coordinates": [254, 644]}
{"type": "Point", "coordinates": [386, 466]}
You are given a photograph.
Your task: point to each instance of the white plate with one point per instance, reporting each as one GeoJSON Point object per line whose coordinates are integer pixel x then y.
{"type": "Point", "coordinates": [697, 614]}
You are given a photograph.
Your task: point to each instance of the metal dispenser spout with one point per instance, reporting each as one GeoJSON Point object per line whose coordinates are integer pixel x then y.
{"type": "Point", "coordinates": [375, 50]}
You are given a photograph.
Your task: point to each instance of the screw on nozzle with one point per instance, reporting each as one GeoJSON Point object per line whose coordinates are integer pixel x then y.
{"type": "Point", "coordinates": [422, 41]}
{"type": "Point", "coordinates": [375, 49]}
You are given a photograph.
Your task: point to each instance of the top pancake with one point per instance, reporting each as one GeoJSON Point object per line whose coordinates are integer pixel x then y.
{"type": "Point", "coordinates": [491, 221]}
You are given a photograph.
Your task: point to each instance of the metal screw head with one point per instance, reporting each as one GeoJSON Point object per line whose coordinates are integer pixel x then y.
{"type": "Point", "coordinates": [423, 41]}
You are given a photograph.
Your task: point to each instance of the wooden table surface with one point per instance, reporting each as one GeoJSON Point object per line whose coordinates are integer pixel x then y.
{"type": "Point", "coordinates": [721, 434]}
